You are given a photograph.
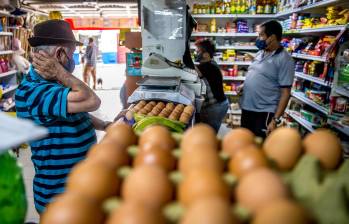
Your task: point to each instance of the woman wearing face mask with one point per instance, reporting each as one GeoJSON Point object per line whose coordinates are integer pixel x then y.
{"type": "Point", "coordinates": [267, 89]}
{"type": "Point", "coordinates": [216, 104]}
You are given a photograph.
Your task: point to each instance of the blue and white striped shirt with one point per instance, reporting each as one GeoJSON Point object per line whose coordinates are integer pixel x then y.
{"type": "Point", "coordinates": [70, 135]}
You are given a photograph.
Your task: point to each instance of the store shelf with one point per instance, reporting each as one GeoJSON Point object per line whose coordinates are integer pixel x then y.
{"type": "Point", "coordinates": [5, 74]}
{"type": "Point", "coordinates": [234, 112]}
{"type": "Point", "coordinates": [300, 96]}
{"type": "Point", "coordinates": [231, 93]}
{"type": "Point", "coordinates": [239, 16]}
{"type": "Point", "coordinates": [232, 47]}
{"type": "Point", "coordinates": [12, 88]}
{"type": "Point", "coordinates": [237, 47]}
{"type": "Point", "coordinates": [206, 34]}
{"type": "Point", "coordinates": [4, 13]}
{"type": "Point", "coordinates": [232, 78]}
{"type": "Point", "coordinates": [309, 57]}
{"type": "Point", "coordinates": [308, 7]}
{"type": "Point", "coordinates": [298, 118]}
{"type": "Point", "coordinates": [247, 63]}
{"type": "Point", "coordinates": [312, 79]}
{"type": "Point", "coordinates": [6, 52]}
{"type": "Point", "coordinates": [6, 34]}
{"type": "Point", "coordinates": [340, 127]}
{"type": "Point", "coordinates": [342, 91]}
{"type": "Point", "coordinates": [316, 30]}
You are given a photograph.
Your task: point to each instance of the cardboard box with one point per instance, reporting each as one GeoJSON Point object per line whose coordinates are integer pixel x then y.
{"type": "Point", "coordinates": [133, 40]}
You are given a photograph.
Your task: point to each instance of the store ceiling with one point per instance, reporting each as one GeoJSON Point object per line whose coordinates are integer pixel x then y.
{"type": "Point", "coordinates": [75, 8]}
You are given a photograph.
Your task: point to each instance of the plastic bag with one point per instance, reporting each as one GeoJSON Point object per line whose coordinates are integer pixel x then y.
{"type": "Point", "coordinates": [13, 202]}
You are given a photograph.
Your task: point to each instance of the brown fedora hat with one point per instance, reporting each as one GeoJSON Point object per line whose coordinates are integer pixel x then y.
{"type": "Point", "coordinates": [52, 32]}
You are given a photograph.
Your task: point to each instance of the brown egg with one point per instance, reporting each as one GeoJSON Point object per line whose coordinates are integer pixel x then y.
{"type": "Point", "coordinates": [143, 112]}
{"type": "Point", "coordinates": [189, 109]}
{"type": "Point", "coordinates": [325, 146]}
{"type": "Point", "coordinates": [284, 147]}
{"type": "Point", "coordinates": [135, 213]}
{"type": "Point", "coordinates": [237, 139]}
{"type": "Point", "coordinates": [94, 179]}
{"type": "Point", "coordinates": [72, 208]}
{"type": "Point", "coordinates": [196, 159]}
{"type": "Point", "coordinates": [170, 106]}
{"type": "Point", "coordinates": [281, 211]}
{"type": "Point", "coordinates": [148, 185]}
{"type": "Point", "coordinates": [161, 105]}
{"type": "Point", "coordinates": [152, 103]}
{"type": "Point", "coordinates": [184, 118]}
{"type": "Point", "coordinates": [156, 156]}
{"type": "Point", "coordinates": [202, 183]}
{"type": "Point", "coordinates": [109, 153]}
{"type": "Point", "coordinates": [122, 134]}
{"type": "Point", "coordinates": [246, 160]}
{"type": "Point", "coordinates": [174, 116]}
{"type": "Point", "coordinates": [209, 210]}
{"type": "Point", "coordinates": [258, 188]}
{"type": "Point", "coordinates": [198, 136]}
{"type": "Point", "coordinates": [156, 136]}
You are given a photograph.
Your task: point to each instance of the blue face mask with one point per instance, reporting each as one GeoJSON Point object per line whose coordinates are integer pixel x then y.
{"type": "Point", "coordinates": [261, 44]}
{"type": "Point", "coordinates": [70, 65]}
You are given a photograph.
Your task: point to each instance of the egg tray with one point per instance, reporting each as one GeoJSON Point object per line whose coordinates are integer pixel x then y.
{"type": "Point", "coordinates": [174, 210]}
{"type": "Point", "coordinates": [307, 169]}
{"type": "Point", "coordinates": [156, 103]}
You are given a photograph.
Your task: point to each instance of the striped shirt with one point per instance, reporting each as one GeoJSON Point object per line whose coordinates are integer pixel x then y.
{"type": "Point", "coordinates": [70, 135]}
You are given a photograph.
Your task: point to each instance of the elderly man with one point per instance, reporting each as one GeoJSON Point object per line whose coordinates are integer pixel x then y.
{"type": "Point", "coordinates": [52, 97]}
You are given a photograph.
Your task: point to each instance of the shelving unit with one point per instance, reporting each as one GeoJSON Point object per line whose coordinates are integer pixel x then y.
{"type": "Point", "coordinates": [232, 78]}
{"type": "Point", "coordinates": [10, 89]}
{"type": "Point", "coordinates": [309, 57]}
{"type": "Point", "coordinates": [233, 16]}
{"type": "Point", "coordinates": [308, 7]}
{"type": "Point", "coordinates": [341, 91]}
{"type": "Point", "coordinates": [298, 118]}
{"type": "Point", "coordinates": [5, 74]}
{"type": "Point", "coordinates": [6, 52]}
{"type": "Point", "coordinates": [9, 78]}
{"type": "Point", "coordinates": [340, 127]}
{"type": "Point", "coordinates": [317, 8]}
{"type": "Point", "coordinates": [231, 93]}
{"type": "Point", "coordinates": [245, 63]}
{"type": "Point", "coordinates": [6, 34]}
{"type": "Point", "coordinates": [301, 97]}
{"type": "Point", "coordinates": [236, 47]}
{"type": "Point", "coordinates": [312, 79]}
{"type": "Point", "coordinates": [206, 34]}
{"type": "Point", "coordinates": [316, 30]}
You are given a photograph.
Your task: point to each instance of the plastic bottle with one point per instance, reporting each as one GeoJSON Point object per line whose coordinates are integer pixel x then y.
{"type": "Point", "coordinates": [252, 7]}
{"type": "Point", "coordinates": [213, 26]}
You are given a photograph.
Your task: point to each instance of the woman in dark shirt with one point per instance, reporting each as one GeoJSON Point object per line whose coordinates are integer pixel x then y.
{"type": "Point", "coordinates": [216, 103]}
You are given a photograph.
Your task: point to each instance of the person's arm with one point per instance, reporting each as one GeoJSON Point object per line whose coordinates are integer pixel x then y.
{"type": "Point", "coordinates": [285, 97]}
{"type": "Point", "coordinates": [198, 71]}
{"type": "Point", "coordinates": [285, 81]}
{"type": "Point", "coordinates": [99, 124]}
{"type": "Point", "coordinates": [80, 98]}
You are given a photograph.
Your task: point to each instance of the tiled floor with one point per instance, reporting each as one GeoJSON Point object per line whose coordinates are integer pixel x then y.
{"type": "Point", "coordinates": [113, 78]}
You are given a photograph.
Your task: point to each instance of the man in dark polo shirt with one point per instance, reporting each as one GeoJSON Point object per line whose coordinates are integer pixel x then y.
{"type": "Point", "coordinates": [267, 88]}
{"type": "Point", "coordinates": [216, 103]}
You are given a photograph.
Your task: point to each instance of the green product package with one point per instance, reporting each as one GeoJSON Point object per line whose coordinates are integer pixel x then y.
{"type": "Point", "coordinates": [13, 202]}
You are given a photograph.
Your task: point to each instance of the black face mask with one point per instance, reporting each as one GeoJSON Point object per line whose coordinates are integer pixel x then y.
{"type": "Point", "coordinates": [199, 57]}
